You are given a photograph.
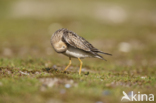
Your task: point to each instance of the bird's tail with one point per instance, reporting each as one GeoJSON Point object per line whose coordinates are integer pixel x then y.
{"type": "Point", "coordinates": [95, 53]}
{"type": "Point", "coordinates": [104, 53]}
{"type": "Point", "coordinates": [100, 57]}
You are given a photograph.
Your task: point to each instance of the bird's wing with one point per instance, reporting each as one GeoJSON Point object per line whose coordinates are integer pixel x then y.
{"type": "Point", "coordinates": [78, 42]}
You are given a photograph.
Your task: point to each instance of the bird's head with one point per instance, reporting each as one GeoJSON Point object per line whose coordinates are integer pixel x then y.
{"type": "Point", "coordinates": [60, 47]}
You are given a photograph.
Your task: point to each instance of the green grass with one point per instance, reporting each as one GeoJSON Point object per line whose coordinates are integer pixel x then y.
{"type": "Point", "coordinates": [31, 71]}
{"type": "Point", "coordinates": [95, 84]}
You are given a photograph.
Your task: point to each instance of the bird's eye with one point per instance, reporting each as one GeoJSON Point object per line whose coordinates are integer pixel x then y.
{"type": "Point", "coordinates": [63, 47]}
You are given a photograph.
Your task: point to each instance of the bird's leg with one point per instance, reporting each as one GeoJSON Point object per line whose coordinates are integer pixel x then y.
{"type": "Point", "coordinates": [68, 64]}
{"type": "Point", "coordinates": [80, 66]}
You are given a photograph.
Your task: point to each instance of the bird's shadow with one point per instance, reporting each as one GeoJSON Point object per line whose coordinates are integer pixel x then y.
{"type": "Point", "coordinates": [54, 70]}
{"type": "Point", "coordinates": [61, 71]}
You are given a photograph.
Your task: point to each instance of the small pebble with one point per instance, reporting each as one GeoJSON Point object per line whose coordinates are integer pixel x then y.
{"type": "Point", "coordinates": [9, 72]}
{"type": "Point", "coordinates": [67, 85]}
{"type": "Point", "coordinates": [37, 73]}
{"type": "Point", "coordinates": [54, 67]}
{"type": "Point", "coordinates": [99, 102]}
{"type": "Point", "coordinates": [24, 73]}
{"type": "Point", "coordinates": [106, 92]}
{"type": "Point", "coordinates": [143, 77]}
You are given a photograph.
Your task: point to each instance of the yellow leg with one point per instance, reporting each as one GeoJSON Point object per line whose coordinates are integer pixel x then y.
{"type": "Point", "coordinates": [68, 64]}
{"type": "Point", "coordinates": [80, 66]}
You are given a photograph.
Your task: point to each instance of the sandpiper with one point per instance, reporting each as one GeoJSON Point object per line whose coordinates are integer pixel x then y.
{"type": "Point", "coordinates": [70, 44]}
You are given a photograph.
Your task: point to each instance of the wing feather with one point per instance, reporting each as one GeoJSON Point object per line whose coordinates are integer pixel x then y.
{"type": "Point", "coordinates": [79, 42]}
{"type": "Point", "coordinates": [76, 41]}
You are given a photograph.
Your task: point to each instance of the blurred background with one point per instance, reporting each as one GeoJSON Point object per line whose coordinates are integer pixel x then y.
{"type": "Point", "coordinates": [124, 28]}
{"type": "Point", "coordinates": [114, 26]}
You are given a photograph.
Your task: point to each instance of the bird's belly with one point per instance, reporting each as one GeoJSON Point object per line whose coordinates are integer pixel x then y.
{"type": "Point", "coordinates": [77, 53]}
